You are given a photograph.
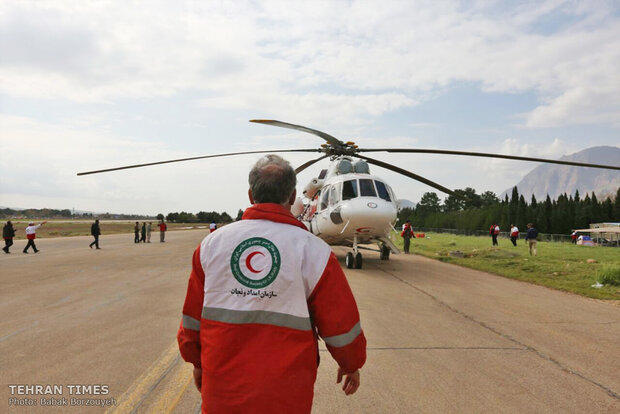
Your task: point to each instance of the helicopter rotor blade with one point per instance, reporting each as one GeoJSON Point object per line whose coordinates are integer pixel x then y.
{"type": "Point", "coordinates": [488, 155]}
{"type": "Point", "coordinates": [193, 158]}
{"type": "Point", "coordinates": [308, 163]}
{"type": "Point", "coordinates": [406, 173]}
{"type": "Point", "coordinates": [326, 137]}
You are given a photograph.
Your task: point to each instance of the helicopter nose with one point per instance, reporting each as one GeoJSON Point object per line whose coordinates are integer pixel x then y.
{"type": "Point", "coordinates": [376, 213]}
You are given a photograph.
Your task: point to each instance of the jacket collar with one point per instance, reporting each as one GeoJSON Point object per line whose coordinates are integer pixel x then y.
{"type": "Point", "coordinates": [271, 212]}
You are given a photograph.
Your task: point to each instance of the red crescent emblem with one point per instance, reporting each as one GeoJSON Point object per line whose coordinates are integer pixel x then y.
{"type": "Point", "coordinates": [248, 261]}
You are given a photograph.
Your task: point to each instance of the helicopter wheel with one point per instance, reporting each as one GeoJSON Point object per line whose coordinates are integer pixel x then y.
{"type": "Point", "coordinates": [385, 253]}
{"type": "Point", "coordinates": [358, 261]}
{"type": "Point", "coordinates": [348, 260]}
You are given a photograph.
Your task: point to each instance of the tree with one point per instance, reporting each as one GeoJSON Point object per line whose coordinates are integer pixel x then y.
{"type": "Point", "coordinates": [616, 216]}
{"type": "Point", "coordinates": [429, 203]}
{"type": "Point", "coordinates": [488, 199]}
{"type": "Point", "coordinates": [160, 217]}
{"type": "Point", "coordinates": [225, 218]}
{"type": "Point", "coordinates": [239, 215]}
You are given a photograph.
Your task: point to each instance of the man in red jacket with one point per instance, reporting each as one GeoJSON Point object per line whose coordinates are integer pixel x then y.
{"type": "Point", "coordinates": [260, 293]}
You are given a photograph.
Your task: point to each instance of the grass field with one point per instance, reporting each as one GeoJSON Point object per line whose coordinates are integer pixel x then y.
{"type": "Point", "coordinates": [66, 228]}
{"type": "Point", "coordinates": [562, 266]}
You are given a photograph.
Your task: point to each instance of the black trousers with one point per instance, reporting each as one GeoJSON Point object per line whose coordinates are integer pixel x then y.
{"type": "Point", "coordinates": [406, 242]}
{"type": "Point", "coordinates": [136, 237]}
{"type": "Point", "coordinates": [96, 242]}
{"type": "Point", "coordinates": [7, 243]}
{"type": "Point", "coordinates": [495, 240]}
{"type": "Point", "coordinates": [31, 243]}
{"type": "Point", "coordinates": [513, 239]}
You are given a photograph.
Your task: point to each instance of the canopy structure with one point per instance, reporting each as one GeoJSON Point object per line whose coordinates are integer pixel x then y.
{"type": "Point", "coordinates": [615, 230]}
{"type": "Point", "coordinates": [611, 235]}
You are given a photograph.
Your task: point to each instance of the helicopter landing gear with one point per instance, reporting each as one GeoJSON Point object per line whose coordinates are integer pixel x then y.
{"type": "Point", "coordinates": [354, 258]}
{"type": "Point", "coordinates": [385, 253]}
{"type": "Point", "coordinates": [358, 261]}
{"type": "Point", "coordinates": [348, 260]}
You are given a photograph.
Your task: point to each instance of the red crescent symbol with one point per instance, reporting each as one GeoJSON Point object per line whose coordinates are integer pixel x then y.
{"type": "Point", "coordinates": [248, 261]}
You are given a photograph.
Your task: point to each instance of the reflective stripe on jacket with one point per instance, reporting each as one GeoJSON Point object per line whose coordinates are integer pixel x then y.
{"type": "Point", "coordinates": [259, 291]}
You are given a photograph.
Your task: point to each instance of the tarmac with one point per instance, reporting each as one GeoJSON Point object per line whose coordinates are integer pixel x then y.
{"type": "Point", "coordinates": [441, 338]}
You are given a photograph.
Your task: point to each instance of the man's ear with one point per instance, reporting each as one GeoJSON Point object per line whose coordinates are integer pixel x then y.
{"type": "Point", "coordinates": [250, 196]}
{"type": "Point", "coordinates": [291, 200]}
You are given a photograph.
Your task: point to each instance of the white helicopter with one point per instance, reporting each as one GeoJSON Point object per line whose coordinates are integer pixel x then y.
{"type": "Point", "coordinates": [346, 205]}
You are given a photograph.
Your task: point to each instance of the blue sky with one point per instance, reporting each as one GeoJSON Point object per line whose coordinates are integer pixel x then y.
{"type": "Point", "coordinates": [91, 85]}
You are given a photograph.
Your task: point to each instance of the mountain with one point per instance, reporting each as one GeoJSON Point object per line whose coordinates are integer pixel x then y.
{"type": "Point", "coordinates": [403, 203]}
{"type": "Point", "coordinates": [556, 179]}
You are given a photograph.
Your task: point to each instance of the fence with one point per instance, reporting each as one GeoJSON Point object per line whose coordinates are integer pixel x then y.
{"type": "Point", "coordinates": [564, 238]}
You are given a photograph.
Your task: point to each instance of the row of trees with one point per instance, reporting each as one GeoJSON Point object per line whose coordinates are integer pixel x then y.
{"type": "Point", "coordinates": [200, 217]}
{"type": "Point", "coordinates": [470, 211]}
{"type": "Point", "coordinates": [50, 213]}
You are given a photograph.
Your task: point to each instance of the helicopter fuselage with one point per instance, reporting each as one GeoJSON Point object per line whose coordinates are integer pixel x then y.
{"type": "Point", "coordinates": [347, 208]}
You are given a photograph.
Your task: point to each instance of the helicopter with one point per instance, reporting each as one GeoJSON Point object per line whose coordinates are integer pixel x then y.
{"type": "Point", "coordinates": [345, 204]}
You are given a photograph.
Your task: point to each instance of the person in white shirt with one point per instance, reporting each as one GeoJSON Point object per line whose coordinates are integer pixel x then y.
{"type": "Point", "coordinates": [212, 227]}
{"type": "Point", "coordinates": [31, 234]}
{"type": "Point", "coordinates": [514, 234]}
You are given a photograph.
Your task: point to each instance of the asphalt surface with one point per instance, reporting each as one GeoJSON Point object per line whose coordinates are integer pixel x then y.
{"type": "Point", "coordinates": [441, 339]}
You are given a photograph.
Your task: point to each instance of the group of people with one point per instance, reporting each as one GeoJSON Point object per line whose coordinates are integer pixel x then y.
{"type": "Point", "coordinates": [530, 237]}
{"type": "Point", "coordinates": [8, 233]}
{"type": "Point", "coordinates": [143, 234]}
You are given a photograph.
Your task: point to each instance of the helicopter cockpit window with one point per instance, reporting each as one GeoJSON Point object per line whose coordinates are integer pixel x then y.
{"type": "Point", "coordinates": [367, 189]}
{"type": "Point", "coordinates": [349, 189]}
{"type": "Point", "coordinates": [334, 195]}
{"type": "Point", "coordinates": [324, 198]}
{"type": "Point", "coordinates": [383, 191]}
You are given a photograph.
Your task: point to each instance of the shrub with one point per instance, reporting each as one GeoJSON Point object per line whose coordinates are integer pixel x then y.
{"type": "Point", "coordinates": [609, 275]}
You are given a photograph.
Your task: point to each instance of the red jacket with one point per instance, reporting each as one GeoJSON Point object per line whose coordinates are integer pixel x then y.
{"type": "Point", "coordinates": [162, 227]}
{"type": "Point", "coordinates": [260, 291]}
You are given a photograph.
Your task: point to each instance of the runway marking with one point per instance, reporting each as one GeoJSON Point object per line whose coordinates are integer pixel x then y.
{"type": "Point", "coordinates": [137, 393]}
{"type": "Point", "coordinates": [168, 400]}
{"type": "Point", "coordinates": [540, 354]}
{"type": "Point", "coordinates": [7, 336]}
{"type": "Point", "coordinates": [472, 348]}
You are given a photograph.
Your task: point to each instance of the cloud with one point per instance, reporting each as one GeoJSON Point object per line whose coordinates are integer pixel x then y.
{"type": "Point", "coordinates": [248, 54]}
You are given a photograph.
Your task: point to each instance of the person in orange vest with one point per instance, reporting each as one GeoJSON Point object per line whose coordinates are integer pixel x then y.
{"type": "Point", "coordinates": [514, 234]}
{"type": "Point", "coordinates": [31, 234]}
{"type": "Point", "coordinates": [260, 293]}
{"type": "Point", "coordinates": [407, 235]}
{"type": "Point", "coordinates": [162, 231]}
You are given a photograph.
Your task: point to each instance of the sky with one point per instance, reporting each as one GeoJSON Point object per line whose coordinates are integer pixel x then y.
{"type": "Point", "coordinates": [99, 84]}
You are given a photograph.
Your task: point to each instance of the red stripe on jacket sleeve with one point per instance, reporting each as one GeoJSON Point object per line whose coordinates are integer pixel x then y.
{"type": "Point", "coordinates": [189, 339]}
{"type": "Point", "coordinates": [334, 312]}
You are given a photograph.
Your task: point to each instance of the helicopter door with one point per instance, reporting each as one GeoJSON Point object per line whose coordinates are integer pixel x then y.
{"type": "Point", "coordinates": [322, 211]}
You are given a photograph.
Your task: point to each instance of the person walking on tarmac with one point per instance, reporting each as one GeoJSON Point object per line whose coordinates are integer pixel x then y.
{"type": "Point", "coordinates": [407, 234]}
{"type": "Point", "coordinates": [95, 231]}
{"type": "Point", "coordinates": [250, 326]}
{"type": "Point", "coordinates": [162, 231]}
{"type": "Point", "coordinates": [31, 234]}
{"type": "Point", "coordinates": [8, 232]}
{"type": "Point", "coordinates": [136, 232]}
{"type": "Point", "coordinates": [143, 232]}
{"type": "Point", "coordinates": [514, 234]}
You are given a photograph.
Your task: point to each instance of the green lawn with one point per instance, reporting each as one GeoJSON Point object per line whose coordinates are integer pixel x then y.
{"type": "Point", "coordinates": [562, 266]}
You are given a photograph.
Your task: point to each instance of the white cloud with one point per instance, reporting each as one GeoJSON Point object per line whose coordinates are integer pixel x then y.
{"type": "Point", "coordinates": [246, 54]}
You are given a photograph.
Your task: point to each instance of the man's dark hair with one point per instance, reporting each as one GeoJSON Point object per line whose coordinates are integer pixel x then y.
{"type": "Point", "coordinates": [272, 180]}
